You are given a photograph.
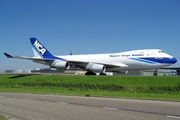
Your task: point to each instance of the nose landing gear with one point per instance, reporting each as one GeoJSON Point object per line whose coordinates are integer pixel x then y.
{"type": "Point", "coordinates": [155, 73]}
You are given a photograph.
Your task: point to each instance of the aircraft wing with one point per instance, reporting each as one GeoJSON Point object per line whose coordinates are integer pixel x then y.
{"type": "Point", "coordinates": [76, 63]}
{"type": "Point", "coordinates": [108, 65]}
{"type": "Point", "coordinates": [8, 56]}
{"type": "Point", "coordinates": [28, 58]}
{"type": "Point", "coordinates": [34, 59]}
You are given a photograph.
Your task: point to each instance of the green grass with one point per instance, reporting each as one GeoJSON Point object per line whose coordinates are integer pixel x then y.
{"type": "Point", "coordinates": [2, 117]}
{"type": "Point", "coordinates": [163, 87]}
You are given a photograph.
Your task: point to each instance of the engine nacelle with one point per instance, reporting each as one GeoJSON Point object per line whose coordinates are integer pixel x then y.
{"type": "Point", "coordinates": [60, 65]}
{"type": "Point", "coordinates": [97, 68]}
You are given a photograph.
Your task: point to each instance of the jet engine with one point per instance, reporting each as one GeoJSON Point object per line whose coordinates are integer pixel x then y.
{"type": "Point", "coordinates": [97, 68]}
{"type": "Point", "coordinates": [60, 65]}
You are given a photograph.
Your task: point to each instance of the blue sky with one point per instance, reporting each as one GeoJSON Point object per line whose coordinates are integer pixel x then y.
{"type": "Point", "coordinates": [87, 27]}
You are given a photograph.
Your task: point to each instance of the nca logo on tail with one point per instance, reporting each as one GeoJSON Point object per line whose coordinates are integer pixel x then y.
{"type": "Point", "coordinates": [39, 47]}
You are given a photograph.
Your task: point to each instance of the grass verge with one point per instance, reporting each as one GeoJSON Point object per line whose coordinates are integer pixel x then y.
{"type": "Point", "coordinates": [161, 87]}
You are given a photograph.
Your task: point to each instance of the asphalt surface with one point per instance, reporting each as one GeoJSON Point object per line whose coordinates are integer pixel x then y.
{"type": "Point", "coordinates": [27, 106]}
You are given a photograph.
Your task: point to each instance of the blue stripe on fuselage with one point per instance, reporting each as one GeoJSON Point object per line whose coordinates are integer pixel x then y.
{"type": "Point", "coordinates": [154, 60]}
{"type": "Point", "coordinates": [162, 59]}
{"type": "Point", "coordinates": [142, 60]}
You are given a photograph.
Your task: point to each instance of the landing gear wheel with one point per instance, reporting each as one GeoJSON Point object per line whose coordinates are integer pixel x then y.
{"type": "Point", "coordinates": [102, 74]}
{"type": "Point", "coordinates": [90, 73]}
{"type": "Point", "coordinates": [155, 74]}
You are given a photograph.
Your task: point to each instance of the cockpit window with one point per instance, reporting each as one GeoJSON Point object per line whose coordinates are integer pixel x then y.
{"type": "Point", "coordinates": [161, 51]}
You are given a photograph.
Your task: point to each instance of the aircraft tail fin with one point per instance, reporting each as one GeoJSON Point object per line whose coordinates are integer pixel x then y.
{"type": "Point", "coordinates": [39, 50]}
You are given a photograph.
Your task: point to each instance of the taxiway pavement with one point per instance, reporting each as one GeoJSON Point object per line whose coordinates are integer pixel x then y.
{"type": "Point", "coordinates": [28, 106]}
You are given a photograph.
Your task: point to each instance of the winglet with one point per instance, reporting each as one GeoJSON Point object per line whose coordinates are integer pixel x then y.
{"type": "Point", "coordinates": [8, 56]}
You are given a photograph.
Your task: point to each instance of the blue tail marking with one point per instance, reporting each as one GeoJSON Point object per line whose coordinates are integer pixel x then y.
{"type": "Point", "coordinates": [41, 50]}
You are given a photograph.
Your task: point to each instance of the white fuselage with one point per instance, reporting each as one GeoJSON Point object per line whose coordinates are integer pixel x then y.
{"type": "Point", "coordinates": [130, 60]}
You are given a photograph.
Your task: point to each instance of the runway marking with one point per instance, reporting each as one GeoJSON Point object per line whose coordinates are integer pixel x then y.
{"type": "Point", "coordinates": [110, 108]}
{"type": "Point", "coordinates": [63, 102]}
{"type": "Point", "coordinates": [178, 117]}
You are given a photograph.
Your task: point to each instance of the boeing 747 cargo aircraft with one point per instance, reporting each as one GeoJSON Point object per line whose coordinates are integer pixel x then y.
{"type": "Point", "coordinates": [101, 63]}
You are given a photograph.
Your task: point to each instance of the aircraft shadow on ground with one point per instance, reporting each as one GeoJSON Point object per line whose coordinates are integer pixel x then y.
{"type": "Point", "coordinates": [18, 76]}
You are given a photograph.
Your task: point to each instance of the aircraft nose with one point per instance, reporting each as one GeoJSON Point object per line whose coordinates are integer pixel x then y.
{"type": "Point", "coordinates": [170, 60]}
{"type": "Point", "coordinates": [173, 60]}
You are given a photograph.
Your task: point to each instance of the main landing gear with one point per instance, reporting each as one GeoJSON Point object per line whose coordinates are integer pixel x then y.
{"type": "Point", "coordinates": [92, 73]}
{"type": "Point", "coordinates": [102, 74]}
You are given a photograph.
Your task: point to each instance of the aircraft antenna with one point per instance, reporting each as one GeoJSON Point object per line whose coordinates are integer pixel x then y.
{"type": "Point", "coordinates": [71, 52]}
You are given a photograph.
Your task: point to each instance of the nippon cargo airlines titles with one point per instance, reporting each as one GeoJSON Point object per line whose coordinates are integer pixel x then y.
{"type": "Point", "coordinates": [101, 63]}
{"type": "Point", "coordinates": [126, 55]}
